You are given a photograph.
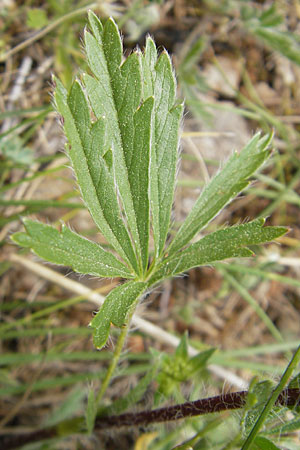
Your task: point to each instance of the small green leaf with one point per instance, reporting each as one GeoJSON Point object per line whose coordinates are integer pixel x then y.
{"type": "Point", "coordinates": [115, 310]}
{"type": "Point", "coordinates": [159, 81]}
{"type": "Point", "coordinates": [262, 443]}
{"type": "Point", "coordinates": [232, 179]}
{"type": "Point", "coordinates": [70, 249]}
{"type": "Point", "coordinates": [222, 244]}
{"type": "Point", "coordinates": [179, 367]}
{"type": "Point", "coordinates": [115, 92]}
{"type": "Point", "coordinates": [270, 17]}
{"type": "Point", "coordinates": [88, 143]}
{"type": "Point", "coordinates": [199, 361]}
{"type": "Point", "coordinates": [283, 42]}
{"type": "Point", "coordinates": [148, 66]}
{"type": "Point", "coordinates": [267, 26]}
{"type": "Point", "coordinates": [182, 349]}
{"type": "Point", "coordinates": [95, 25]}
{"type": "Point", "coordinates": [139, 174]}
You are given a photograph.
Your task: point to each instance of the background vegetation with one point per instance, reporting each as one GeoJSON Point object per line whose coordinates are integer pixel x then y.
{"type": "Point", "coordinates": [237, 66]}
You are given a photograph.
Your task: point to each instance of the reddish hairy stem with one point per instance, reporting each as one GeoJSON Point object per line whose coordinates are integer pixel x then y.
{"type": "Point", "coordinates": [234, 400]}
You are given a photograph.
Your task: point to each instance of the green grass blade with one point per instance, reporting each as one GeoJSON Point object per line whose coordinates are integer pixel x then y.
{"type": "Point", "coordinates": [70, 249]}
{"type": "Point", "coordinates": [68, 380]}
{"type": "Point", "coordinates": [232, 179]}
{"type": "Point", "coordinates": [39, 174]}
{"type": "Point", "coordinates": [254, 304]}
{"type": "Point", "coordinates": [91, 411]}
{"type": "Point", "coordinates": [272, 399]}
{"type": "Point", "coordinates": [41, 204]}
{"type": "Point", "coordinates": [19, 359]}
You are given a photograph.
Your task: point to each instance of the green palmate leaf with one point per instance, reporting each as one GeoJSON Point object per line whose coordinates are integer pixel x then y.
{"type": "Point", "coordinates": [115, 309]}
{"type": "Point", "coordinates": [87, 148]}
{"type": "Point", "coordinates": [115, 92]}
{"type": "Point", "coordinates": [70, 249]}
{"type": "Point", "coordinates": [232, 179]}
{"type": "Point", "coordinates": [159, 82]}
{"type": "Point", "coordinates": [122, 123]}
{"type": "Point", "coordinates": [222, 244]}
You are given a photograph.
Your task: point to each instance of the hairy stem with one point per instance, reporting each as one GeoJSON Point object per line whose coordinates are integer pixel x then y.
{"type": "Point", "coordinates": [116, 356]}
{"type": "Point", "coordinates": [233, 400]}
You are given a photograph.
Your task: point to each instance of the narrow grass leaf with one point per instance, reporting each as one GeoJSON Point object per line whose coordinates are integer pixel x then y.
{"type": "Point", "coordinates": [71, 405]}
{"type": "Point", "coordinates": [115, 92]}
{"type": "Point", "coordinates": [91, 411]}
{"type": "Point", "coordinates": [271, 400]}
{"type": "Point", "coordinates": [70, 249]}
{"type": "Point", "coordinates": [37, 205]}
{"type": "Point", "coordinates": [217, 246]}
{"type": "Point", "coordinates": [270, 17]}
{"type": "Point", "coordinates": [285, 428]}
{"type": "Point", "coordinates": [59, 381]}
{"type": "Point", "coordinates": [87, 145]}
{"type": "Point", "coordinates": [115, 310]}
{"type": "Point", "coordinates": [159, 81]}
{"type": "Point", "coordinates": [132, 398]}
{"type": "Point", "coordinates": [232, 179]}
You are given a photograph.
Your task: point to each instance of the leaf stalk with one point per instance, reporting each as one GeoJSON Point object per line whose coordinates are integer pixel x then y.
{"type": "Point", "coordinates": [116, 355]}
